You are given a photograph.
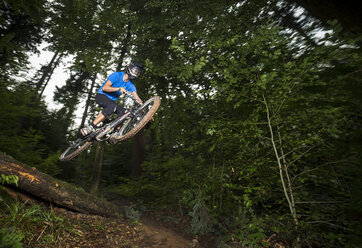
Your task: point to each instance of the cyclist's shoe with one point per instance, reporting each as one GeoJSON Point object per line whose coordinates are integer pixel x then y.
{"type": "Point", "coordinates": [87, 130]}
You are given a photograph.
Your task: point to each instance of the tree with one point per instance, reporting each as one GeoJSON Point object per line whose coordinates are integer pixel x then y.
{"type": "Point", "coordinates": [21, 31]}
{"type": "Point", "coordinates": [232, 74]}
{"type": "Point", "coordinates": [259, 127]}
{"type": "Point", "coordinates": [347, 13]}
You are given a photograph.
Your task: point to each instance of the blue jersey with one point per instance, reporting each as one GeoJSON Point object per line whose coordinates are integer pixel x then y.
{"type": "Point", "coordinates": [116, 79]}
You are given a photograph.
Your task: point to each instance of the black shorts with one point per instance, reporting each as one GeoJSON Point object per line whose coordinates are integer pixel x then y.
{"type": "Point", "coordinates": [109, 106]}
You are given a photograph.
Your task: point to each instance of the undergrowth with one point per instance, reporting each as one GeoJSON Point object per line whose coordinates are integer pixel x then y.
{"type": "Point", "coordinates": [24, 224]}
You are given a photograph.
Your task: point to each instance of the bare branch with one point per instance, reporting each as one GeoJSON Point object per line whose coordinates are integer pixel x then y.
{"type": "Point", "coordinates": [293, 150]}
{"type": "Point", "coordinates": [280, 106]}
{"type": "Point", "coordinates": [328, 223]}
{"type": "Point", "coordinates": [318, 202]}
{"type": "Point", "coordinates": [286, 170]}
{"type": "Point", "coordinates": [291, 206]}
{"type": "Point", "coordinates": [299, 157]}
{"type": "Point", "coordinates": [316, 168]}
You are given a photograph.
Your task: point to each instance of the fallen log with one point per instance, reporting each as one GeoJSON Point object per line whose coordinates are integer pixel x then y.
{"type": "Point", "coordinates": [41, 185]}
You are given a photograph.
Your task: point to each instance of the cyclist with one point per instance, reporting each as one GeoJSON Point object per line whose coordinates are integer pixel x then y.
{"type": "Point", "coordinates": [116, 84]}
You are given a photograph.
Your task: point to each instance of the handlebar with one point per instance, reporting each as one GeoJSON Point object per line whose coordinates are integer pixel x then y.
{"type": "Point", "coordinates": [130, 101]}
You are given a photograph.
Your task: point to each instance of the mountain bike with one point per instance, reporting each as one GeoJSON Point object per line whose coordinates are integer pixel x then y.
{"type": "Point", "coordinates": [117, 130]}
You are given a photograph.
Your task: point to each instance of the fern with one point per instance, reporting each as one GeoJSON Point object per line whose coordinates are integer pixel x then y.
{"type": "Point", "coordinates": [12, 179]}
{"type": "Point", "coordinates": [132, 213]}
{"type": "Point", "coordinates": [200, 222]}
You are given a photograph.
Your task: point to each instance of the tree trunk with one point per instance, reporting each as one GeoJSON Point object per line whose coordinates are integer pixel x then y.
{"type": "Point", "coordinates": [87, 103]}
{"type": "Point", "coordinates": [138, 155]}
{"type": "Point", "coordinates": [283, 172]}
{"type": "Point", "coordinates": [97, 169]}
{"type": "Point", "coordinates": [55, 191]}
{"type": "Point", "coordinates": [46, 72]}
{"type": "Point", "coordinates": [289, 20]}
{"type": "Point", "coordinates": [288, 194]}
{"type": "Point", "coordinates": [49, 75]}
{"type": "Point", "coordinates": [124, 48]}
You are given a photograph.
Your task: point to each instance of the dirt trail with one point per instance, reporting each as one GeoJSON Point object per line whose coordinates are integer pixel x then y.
{"type": "Point", "coordinates": [100, 232]}
{"type": "Point", "coordinates": [161, 237]}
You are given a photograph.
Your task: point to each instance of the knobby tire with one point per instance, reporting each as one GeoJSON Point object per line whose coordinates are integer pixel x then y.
{"type": "Point", "coordinates": [144, 120]}
{"type": "Point", "coordinates": [65, 156]}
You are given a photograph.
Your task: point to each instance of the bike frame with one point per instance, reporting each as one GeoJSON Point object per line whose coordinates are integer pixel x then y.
{"type": "Point", "coordinates": [106, 129]}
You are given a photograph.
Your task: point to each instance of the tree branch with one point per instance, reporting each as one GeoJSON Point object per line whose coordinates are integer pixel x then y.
{"type": "Point", "coordinates": [328, 223]}
{"type": "Point", "coordinates": [316, 168]}
{"type": "Point", "coordinates": [299, 156]}
{"type": "Point", "coordinates": [318, 202]}
{"type": "Point", "coordinates": [291, 207]}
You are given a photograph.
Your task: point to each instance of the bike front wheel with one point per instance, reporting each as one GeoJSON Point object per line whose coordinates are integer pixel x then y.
{"type": "Point", "coordinates": [75, 149]}
{"type": "Point", "coordinates": [142, 116]}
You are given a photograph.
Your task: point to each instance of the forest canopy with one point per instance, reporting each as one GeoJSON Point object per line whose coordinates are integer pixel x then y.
{"type": "Point", "coordinates": [259, 130]}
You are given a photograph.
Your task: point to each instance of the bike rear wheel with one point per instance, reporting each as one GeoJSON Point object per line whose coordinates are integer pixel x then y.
{"type": "Point", "coordinates": [75, 149]}
{"type": "Point", "coordinates": [133, 125]}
